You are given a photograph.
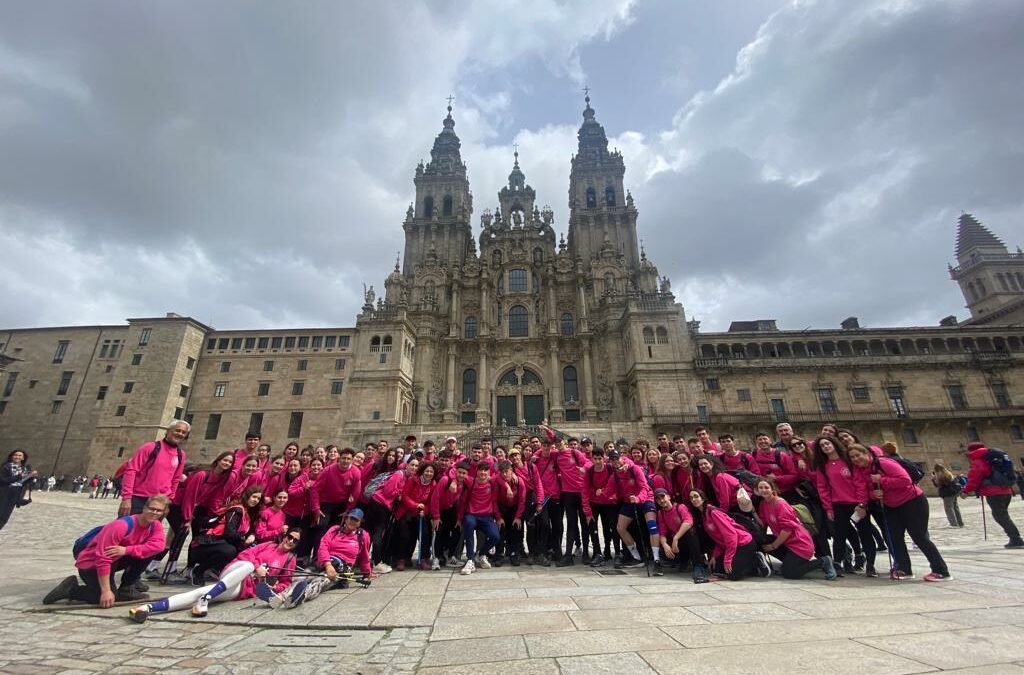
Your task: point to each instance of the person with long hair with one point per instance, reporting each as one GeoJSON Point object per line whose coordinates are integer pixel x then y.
{"type": "Point", "coordinates": [906, 512]}
{"type": "Point", "coordinates": [791, 542]}
{"type": "Point", "coordinates": [841, 491]}
{"type": "Point", "coordinates": [675, 526]}
{"type": "Point", "coordinates": [724, 484]}
{"type": "Point", "coordinates": [412, 514]}
{"type": "Point", "coordinates": [205, 490]}
{"type": "Point", "coordinates": [271, 523]}
{"type": "Point", "coordinates": [243, 476]}
{"type": "Point", "coordinates": [806, 493]}
{"type": "Point", "coordinates": [291, 451]}
{"type": "Point", "coordinates": [227, 533]}
{"type": "Point", "coordinates": [14, 475]}
{"type": "Point", "coordinates": [303, 506]}
{"type": "Point", "coordinates": [734, 555]}
{"type": "Point", "coordinates": [380, 512]}
{"type": "Point", "coordinates": [273, 475]}
{"type": "Point", "coordinates": [949, 491]}
{"type": "Point", "coordinates": [662, 476]}
{"type": "Point", "coordinates": [387, 463]}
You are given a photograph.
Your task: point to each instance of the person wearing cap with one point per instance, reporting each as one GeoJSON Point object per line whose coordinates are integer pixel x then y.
{"type": "Point", "coordinates": [675, 526]}
{"type": "Point", "coordinates": [979, 476]}
{"type": "Point", "coordinates": [587, 447]}
{"type": "Point", "coordinates": [345, 546]}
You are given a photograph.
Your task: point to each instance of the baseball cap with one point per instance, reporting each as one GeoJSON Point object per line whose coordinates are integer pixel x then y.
{"type": "Point", "coordinates": [613, 454]}
{"type": "Point", "coordinates": [356, 513]}
{"type": "Point", "coordinates": [450, 438]}
{"type": "Point", "coordinates": [660, 491]}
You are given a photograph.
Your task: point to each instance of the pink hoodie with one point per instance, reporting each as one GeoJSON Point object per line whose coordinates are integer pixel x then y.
{"type": "Point", "coordinates": [390, 490]}
{"type": "Point", "coordinates": [530, 476]}
{"type": "Point", "coordinates": [141, 542]}
{"type": "Point", "coordinates": [206, 490]}
{"type": "Point", "coordinates": [669, 521]}
{"type": "Point", "coordinates": [518, 490]}
{"type": "Point", "coordinates": [344, 544]}
{"type": "Point", "coordinates": [267, 554]}
{"type": "Point", "coordinates": [142, 479]}
{"type": "Point", "coordinates": [837, 485]}
{"type": "Point", "coordinates": [632, 482]}
{"type": "Point", "coordinates": [572, 466]}
{"type": "Point", "coordinates": [786, 475]}
{"type": "Point", "coordinates": [778, 516]}
{"type": "Point", "coordinates": [269, 524]}
{"type": "Point", "coordinates": [897, 488]}
{"type": "Point", "coordinates": [443, 498]}
{"type": "Point", "coordinates": [741, 460]}
{"type": "Point", "coordinates": [604, 481]}
{"type": "Point", "coordinates": [727, 535]}
{"type": "Point", "coordinates": [337, 486]}
{"type": "Point", "coordinates": [414, 492]}
{"type": "Point", "coordinates": [725, 486]}
{"type": "Point", "coordinates": [547, 469]}
{"type": "Point", "coordinates": [302, 502]}
{"type": "Point", "coordinates": [479, 499]}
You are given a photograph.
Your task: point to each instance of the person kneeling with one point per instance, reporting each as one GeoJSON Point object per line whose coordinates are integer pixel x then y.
{"type": "Point", "coordinates": [734, 555]}
{"type": "Point", "coordinates": [123, 544]}
{"type": "Point", "coordinates": [341, 549]}
{"type": "Point", "coordinates": [675, 525]}
{"type": "Point", "coordinates": [263, 571]}
{"type": "Point", "coordinates": [792, 544]}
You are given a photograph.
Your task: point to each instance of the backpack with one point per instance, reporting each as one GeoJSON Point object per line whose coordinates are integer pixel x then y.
{"type": "Point", "coordinates": [746, 478]}
{"type": "Point", "coordinates": [82, 542]}
{"type": "Point", "coordinates": [915, 472]}
{"type": "Point", "coordinates": [153, 454]}
{"type": "Point", "coordinates": [751, 524]}
{"type": "Point", "coordinates": [215, 524]}
{"type": "Point", "coordinates": [1003, 473]}
{"type": "Point", "coordinates": [359, 538]}
{"type": "Point", "coordinates": [375, 484]}
{"type": "Point", "coordinates": [804, 514]}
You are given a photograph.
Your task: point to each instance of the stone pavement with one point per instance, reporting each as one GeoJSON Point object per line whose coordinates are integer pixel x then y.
{"type": "Point", "coordinates": [533, 620]}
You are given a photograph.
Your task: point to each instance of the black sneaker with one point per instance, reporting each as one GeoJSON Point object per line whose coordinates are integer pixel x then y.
{"type": "Point", "coordinates": [657, 569]}
{"type": "Point", "coordinates": [870, 571]}
{"type": "Point", "coordinates": [1019, 543]}
{"type": "Point", "coordinates": [632, 563]}
{"type": "Point", "coordinates": [497, 561]}
{"type": "Point", "coordinates": [514, 560]}
{"type": "Point", "coordinates": [618, 561]}
{"type": "Point", "coordinates": [586, 559]}
{"type": "Point", "coordinates": [141, 586]}
{"type": "Point", "coordinates": [62, 591]}
{"type": "Point", "coordinates": [597, 561]}
{"type": "Point", "coordinates": [700, 574]}
{"type": "Point", "coordinates": [858, 562]}
{"type": "Point", "coordinates": [129, 594]}
{"type": "Point", "coordinates": [566, 561]}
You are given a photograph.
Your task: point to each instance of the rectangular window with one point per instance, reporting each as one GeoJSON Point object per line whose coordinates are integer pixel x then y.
{"type": "Point", "coordinates": [303, 342]}
{"type": "Point", "coordinates": [136, 359]}
{"type": "Point", "coordinates": [115, 349]}
{"type": "Point", "coordinates": [517, 281]}
{"type": "Point", "coordinates": [3, 407]}
{"type": "Point", "coordinates": [468, 417]}
{"type": "Point", "coordinates": [339, 364]}
{"type": "Point", "coordinates": [383, 358]}
{"type": "Point", "coordinates": [896, 404]}
{"type": "Point", "coordinates": [104, 348]}
{"type": "Point", "coordinates": [178, 412]}
{"type": "Point", "coordinates": [183, 391]}
{"type": "Point", "coordinates": [742, 394]}
{"type": "Point", "coordinates": [910, 436]}
{"type": "Point", "coordinates": [188, 418]}
{"type": "Point", "coordinates": [827, 401]}
{"type": "Point", "coordinates": [120, 451]}
{"type": "Point", "coordinates": [211, 344]}
{"type": "Point", "coordinates": [1016, 432]}
{"type": "Point", "coordinates": [236, 343]}
{"type": "Point", "coordinates": [223, 343]}
{"type": "Point", "coordinates": [275, 343]}
{"type": "Point", "coordinates": [57, 405]}
{"type": "Point", "coordinates": [956, 396]}
{"type": "Point", "coordinates": [572, 415]}
{"type": "Point", "coordinates": [263, 389]}
{"type": "Point", "coordinates": [289, 343]}
{"type": "Point", "coordinates": [65, 382]}
{"type": "Point", "coordinates": [225, 366]}
{"type": "Point", "coordinates": [128, 386]}
{"type": "Point", "coordinates": [376, 414]}
{"type": "Point", "coordinates": [330, 341]}
{"type": "Point", "coordinates": [102, 393]}
{"type": "Point", "coordinates": [268, 366]}
{"type": "Point", "coordinates": [972, 434]}
{"type": "Point", "coordinates": [702, 414]}
{"type": "Point", "coordinates": [32, 384]}
{"type": "Point", "coordinates": [9, 387]}
{"type": "Point", "coordinates": [219, 389]}
{"type": "Point", "coordinates": [121, 409]}
{"type": "Point", "coordinates": [190, 363]}
{"type": "Point", "coordinates": [144, 336]}
{"type": "Point", "coordinates": [1001, 395]}
{"type": "Point", "coordinates": [212, 426]}
{"type": "Point", "coordinates": [778, 409]}
{"type": "Point", "coordinates": [318, 341]}
{"type": "Point", "coordinates": [295, 425]}
{"type": "Point", "coordinates": [62, 350]}
{"type": "Point", "coordinates": [860, 394]}
{"type": "Point", "coordinates": [336, 387]}
{"type": "Point", "coordinates": [297, 388]}
{"type": "Point", "coordinates": [343, 341]}
{"type": "Point", "coordinates": [263, 343]}
{"type": "Point", "coordinates": [303, 364]}
{"type": "Point", "coordinates": [711, 384]}
{"type": "Point", "coordinates": [250, 343]}
{"type": "Point", "coordinates": [256, 423]}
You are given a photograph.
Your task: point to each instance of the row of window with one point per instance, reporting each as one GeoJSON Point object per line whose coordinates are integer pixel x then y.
{"type": "Point", "coordinates": [285, 342]}
{"type": "Point", "coordinates": [522, 328]}
{"type": "Point", "coordinates": [1010, 281]}
{"type": "Point", "coordinates": [255, 425]}
{"type": "Point", "coordinates": [268, 365]}
{"type": "Point", "coordinates": [220, 389]}
{"type": "Point", "coordinates": [570, 383]}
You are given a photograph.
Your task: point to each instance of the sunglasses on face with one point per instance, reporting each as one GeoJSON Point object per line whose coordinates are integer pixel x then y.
{"type": "Point", "coordinates": [293, 539]}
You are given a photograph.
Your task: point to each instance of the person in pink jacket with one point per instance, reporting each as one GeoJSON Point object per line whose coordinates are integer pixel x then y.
{"type": "Point", "coordinates": [511, 505]}
{"type": "Point", "coordinates": [776, 462]}
{"type": "Point", "coordinates": [549, 546]}
{"type": "Point", "coordinates": [478, 510]}
{"type": "Point", "coordinates": [572, 466]}
{"type": "Point", "coordinates": [154, 469]}
{"type": "Point", "coordinates": [274, 474]}
{"type": "Point", "coordinates": [724, 484]}
{"type": "Point", "coordinates": [735, 460]}
{"type": "Point", "coordinates": [272, 563]}
{"type": "Point", "coordinates": [791, 542]}
{"type": "Point", "coordinates": [734, 555]}
{"type": "Point", "coordinates": [841, 491]}
{"type": "Point", "coordinates": [413, 517]}
{"type": "Point", "coordinates": [381, 514]}
{"type": "Point", "coordinates": [345, 546]}
{"type": "Point", "coordinates": [906, 512]}
{"type": "Point", "coordinates": [979, 481]}
{"type": "Point", "coordinates": [444, 515]}
{"type": "Point", "coordinates": [338, 489]}
{"type": "Point", "coordinates": [244, 475]}
{"type": "Point", "coordinates": [601, 502]}
{"type": "Point", "coordinates": [271, 522]}
{"type": "Point", "coordinates": [675, 526]}
{"type": "Point", "coordinates": [637, 501]}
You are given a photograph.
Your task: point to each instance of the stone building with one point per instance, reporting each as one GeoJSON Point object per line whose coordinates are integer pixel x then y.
{"type": "Point", "coordinates": [487, 331]}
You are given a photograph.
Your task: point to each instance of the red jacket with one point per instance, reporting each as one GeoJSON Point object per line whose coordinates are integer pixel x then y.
{"type": "Point", "coordinates": [414, 492]}
{"type": "Point", "coordinates": [980, 471]}
{"type": "Point", "coordinates": [599, 480]}
{"type": "Point", "coordinates": [517, 499]}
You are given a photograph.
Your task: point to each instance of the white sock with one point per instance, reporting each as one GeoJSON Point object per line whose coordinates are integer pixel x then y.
{"type": "Point", "coordinates": [657, 553]}
{"type": "Point", "coordinates": [634, 552]}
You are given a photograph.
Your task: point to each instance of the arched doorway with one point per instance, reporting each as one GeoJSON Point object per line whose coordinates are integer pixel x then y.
{"type": "Point", "coordinates": [519, 395]}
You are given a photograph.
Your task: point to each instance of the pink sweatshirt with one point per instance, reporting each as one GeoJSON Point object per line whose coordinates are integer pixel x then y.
{"type": "Point", "coordinates": [267, 554]}
{"type": "Point", "coordinates": [341, 543]}
{"type": "Point", "coordinates": [390, 490]}
{"type": "Point", "coordinates": [479, 499]}
{"type": "Point", "coordinates": [443, 498]}
{"type": "Point", "coordinates": [604, 481]}
{"type": "Point", "coordinates": [337, 486]}
{"type": "Point", "coordinates": [727, 535]}
{"type": "Point", "coordinates": [302, 502]}
{"type": "Point", "coordinates": [670, 520]}
{"type": "Point", "coordinates": [837, 485]}
{"type": "Point", "coordinates": [572, 466]}
{"type": "Point", "coordinates": [547, 469]}
{"type": "Point", "coordinates": [741, 460]}
{"type": "Point", "coordinates": [529, 474]}
{"type": "Point", "coordinates": [897, 488]}
{"type": "Point", "coordinates": [238, 484]}
{"type": "Point", "coordinates": [778, 515]}
{"type": "Point", "coordinates": [517, 500]}
{"type": "Point", "coordinates": [271, 484]}
{"type": "Point", "coordinates": [783, 469]}
{"type": "Point", "coordinates": [725, 486]}
{"type": "Point", "coordinates": [414, 492]}
{"type": "Point", "coordinates": [141, 542]}
{"type": "Point", "coordinates": [270, 524]}
{"type": "Point", "coordinates": [631, 482]}
{"type": "Point", "coordinates": [206, 490]}
{"type": "Point", "coordinates": [142, 479]}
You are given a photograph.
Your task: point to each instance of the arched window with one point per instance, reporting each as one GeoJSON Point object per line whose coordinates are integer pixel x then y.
{"type": "Point", "coordinates": [428, 207]}
{"type": "Point", "coordinates": [518, 322]}
{"type": "Point", "coordinates": [648, 335]}
{"type": "Point", "coordinates": [517, 281]}
{"type": "Point", "coordinates": [567, 324]}
{"type": "Point", "coordinates": [530, 377]}
{"type": "Point", "coordinates": [446, 205]}
{"type": "Point", "coordinates": [496, 258]}
{"type": "Point", "coordinates": [662, 335]}
{"type": "Point", "coordinates": [470, 329]}
{"type": "Point", "coordinates": [375, 344]}
{"type": "Point", "coordinates": [609, 196]}
{"type": "Point", "coordinates": [591, 198]}
{"type": "Point", "coordinates": [469, 386]}
{"type": "Point", "coordinates": [509, 379]}
{"type": "Point", "coordinates": [386, 347]}
{"type": "Point", "coordinates": [570, 384]}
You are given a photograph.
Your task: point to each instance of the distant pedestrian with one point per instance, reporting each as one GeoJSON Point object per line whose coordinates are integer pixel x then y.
{"type": "Point", "coordinates": [979, 481]}
{"type": "Point", "coordinates": [949, 491]}
{"type": "Point", "coordinates": [14, 475]}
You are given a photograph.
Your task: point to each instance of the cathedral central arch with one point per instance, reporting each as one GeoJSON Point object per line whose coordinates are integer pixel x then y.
{"type": "Point", "coordinates": [519, 396]}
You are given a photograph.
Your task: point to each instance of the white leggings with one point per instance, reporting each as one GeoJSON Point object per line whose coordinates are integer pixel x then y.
{"type": "Point", "coordinates": [230, 580]}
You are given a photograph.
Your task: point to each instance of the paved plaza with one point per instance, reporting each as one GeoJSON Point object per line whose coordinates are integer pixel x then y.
{"type": "Point", "coordinates": [528, 621]}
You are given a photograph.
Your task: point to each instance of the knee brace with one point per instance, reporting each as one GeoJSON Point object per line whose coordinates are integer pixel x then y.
{"type": "Point", "coordinates": [652, 527]}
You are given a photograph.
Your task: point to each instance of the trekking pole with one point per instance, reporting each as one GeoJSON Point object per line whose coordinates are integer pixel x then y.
{"type": "Point", "coordinates": [419, 554]}
{"type": "Point", "coordinates": [888, 544]}
{"type": "Point", "coordinates": [172, 555]}
{"type": "Point", "coordinates": [640, 525]}
{"type": "Point", "coordinates": [984, 523]}
{"type": "Point", "coordinates": [433, 538]}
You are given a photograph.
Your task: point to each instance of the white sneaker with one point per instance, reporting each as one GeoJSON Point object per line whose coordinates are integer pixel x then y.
{"type": "Point", "coordinates": [484, 563]}
{"type": "Point", "coordinates": [468, 568]}
{"type": "Point", "coordinates": [435, 564]}
{"type": "Point", "coordinates": [382, 568]}
{"type": "Point", "coordinates": [201, 607]}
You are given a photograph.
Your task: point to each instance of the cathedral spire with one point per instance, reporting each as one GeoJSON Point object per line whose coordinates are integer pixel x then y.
{"type": "Point", "coordinates": [445, 156]}
{"type": "Point", "coordinates": [516, 179]}
{"type": "Point", "coordinates": [972, 235]}
{"type": "Point", "coordinates": [593, 143]}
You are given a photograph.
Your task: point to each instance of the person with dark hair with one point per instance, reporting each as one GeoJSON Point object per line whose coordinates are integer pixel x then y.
{"type": "Point", "coordinates": [252, 444]}
{"type": "Point", "coordinates": [411, 516]}
{"type": "Point", "coordinates": [791, 542]}
{"type": "Point", "coordinates": [734, 555]}
{"type": "Point", "coordinates": [478, 510]}
{"type": "Point", "coordinates": [205, 490]}
{"type": "Point", "coordinates": [226, 534]}
{"type": "Point", "coordinates": [338, 489]}
{"type": "Point", "coordinates": [998, 496]}
{"type": "Point", "coordinates": [675, 526]}
{"type": "Point", "coordinates": [841, 493]}
{"type": "Point", "coordinates": [601, 502]}
{"type": "Point", "coordinates": [444, 514]}
{"type": "Point", "coordinates": [511, 505]}
{"type": "Point", "coordinates": [14, 475]}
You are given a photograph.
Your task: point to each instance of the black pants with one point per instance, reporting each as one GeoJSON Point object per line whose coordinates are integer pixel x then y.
{"type": "Point", "coordinates": [447, 536]}
{"type": "Point", "coordinates": [1000, 506]}
{"type": "Point", "coordinates": [9, 498]}
{"type": "Point", "coordinates": [689, 550]}
{"type": "Point", "coordinates": [511, 536]}
{"type": "Point", "coordinates": [90, 592]}
{"type": "Point", "coordinates": [912, 518]}
{"type": "Point", "coordinates": [556, 515]}
{"type": "Point", "coordinates": [213, 556]}
{"type": "Point", "coordinates": [176, 525]}
{"type": "Point", "coordinates": [331, 513]}
{"type": "Point", "coordinates": [572, 505]}
{"type": "Point", "coordinates": [407, 536]}
{"type": "Point", "coordinates": [844, 528]}
{"type": "Point", "coordinates": [379, 521]}
{"type": "Point", "coordinates": [606, 519]}
{"type": "Point", "coordinates": [742, 562]}
{"type": "Point", "coordinates": [794, 566]}
{"type": "Point", "coordinates": [538, 525]}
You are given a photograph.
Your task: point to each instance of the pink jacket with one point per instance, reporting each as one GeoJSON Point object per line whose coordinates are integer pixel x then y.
{"type": "Point", "coordinates": [604, 481]}
{"type": "Point", "coordinates": [779, 516]}
{"type": "Point", "coordinates": [269, 524]}
{"type": "Point", "coordinates": [669, 521]}
{"type": "Point", "coordinates": [443, 498]}
{"type": "Point", "coordinates": [141, 542]}
{"type": "Point", "coordinates": [837, 485]}
{"type": "Point", "coordinates": [572, 465]}
{"type": "Point", "coordinates": [479, 499]}
{"type": "Point", "coordinates": [267, 554]}
{"type": "Point", "coordinates": [414, 492]}
{"type": "Point", "coordinates": [337, 487]}
{"type": "Point", "coordinates": [631, 482]}
{"type": "Point", "coordinates": [786, 475]}
{"type": "Point", "coordinates": [518, 499]}
{"type": "Point", "coordinates": [978, 472]}
{"type": "Point", "coordinates": [725, 486]}
{"type": "Point", "coordinates": [897, 488]}
{"type": "Point", "coordinates": [142, 479]}
{"type": "Point", "coordinates": [391, 490]}
{"type": "Point", "coordinates": [341, 543]}
{"type": "Point", "coordinates": [547, 469]}
{"type": "Point", "coordinates": [206, 490]}
{"type": "Point", "coordinates": [727, 535]}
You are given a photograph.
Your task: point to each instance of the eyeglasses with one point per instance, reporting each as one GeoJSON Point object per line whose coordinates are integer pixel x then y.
{"type": "Point", "coordinates": [155, 509]}
{"type": "Point", "coordinates": [796, 443]}
{"type": "Point", "coordinates": [291, 538]}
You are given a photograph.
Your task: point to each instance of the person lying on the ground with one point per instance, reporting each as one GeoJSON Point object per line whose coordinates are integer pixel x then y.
{"type": "Point", "coordinates": [126, 543]}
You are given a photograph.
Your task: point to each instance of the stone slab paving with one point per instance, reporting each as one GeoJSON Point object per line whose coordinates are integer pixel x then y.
{"type": "Point", "coordinates": [532, 621]}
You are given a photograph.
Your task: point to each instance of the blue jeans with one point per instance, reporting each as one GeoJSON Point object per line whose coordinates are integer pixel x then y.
{"type": "Point", "coordinates": [471, 523]}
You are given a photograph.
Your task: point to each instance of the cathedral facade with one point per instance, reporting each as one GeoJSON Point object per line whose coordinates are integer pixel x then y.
{"type": "Point", "coordinates": [504, 325]}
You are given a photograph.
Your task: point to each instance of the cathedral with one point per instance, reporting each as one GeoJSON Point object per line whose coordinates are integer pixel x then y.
{"type": "Point", "coordinates": [490, 331]}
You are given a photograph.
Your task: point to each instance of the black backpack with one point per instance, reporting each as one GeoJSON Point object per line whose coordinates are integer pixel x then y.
{"type": "Point", "coordinates": [913, 470]}
{"type": "Point", "coordinates": [1003, 472]}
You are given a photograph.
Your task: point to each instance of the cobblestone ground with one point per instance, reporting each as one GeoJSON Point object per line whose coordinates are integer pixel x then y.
{"type": "Point", "coordinates": [533, 621]}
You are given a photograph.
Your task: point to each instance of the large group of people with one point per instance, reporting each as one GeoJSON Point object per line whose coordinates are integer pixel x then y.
{"type": "Point", "coordinates": [284, 527]}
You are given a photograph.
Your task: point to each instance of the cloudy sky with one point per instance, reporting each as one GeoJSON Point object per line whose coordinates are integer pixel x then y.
{"type": "Point", "coordinates": [249, 164]}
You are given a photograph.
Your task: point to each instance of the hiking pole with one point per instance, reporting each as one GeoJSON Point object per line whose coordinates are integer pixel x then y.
{"type": "Point", "coordinates": [640, 525]}
{"type": "Point", "coordinates": [433, 538]}
{"type": "Point", "coordinates": [984, 523]}
{"type": "Point", "coordinates": [419, 554]}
